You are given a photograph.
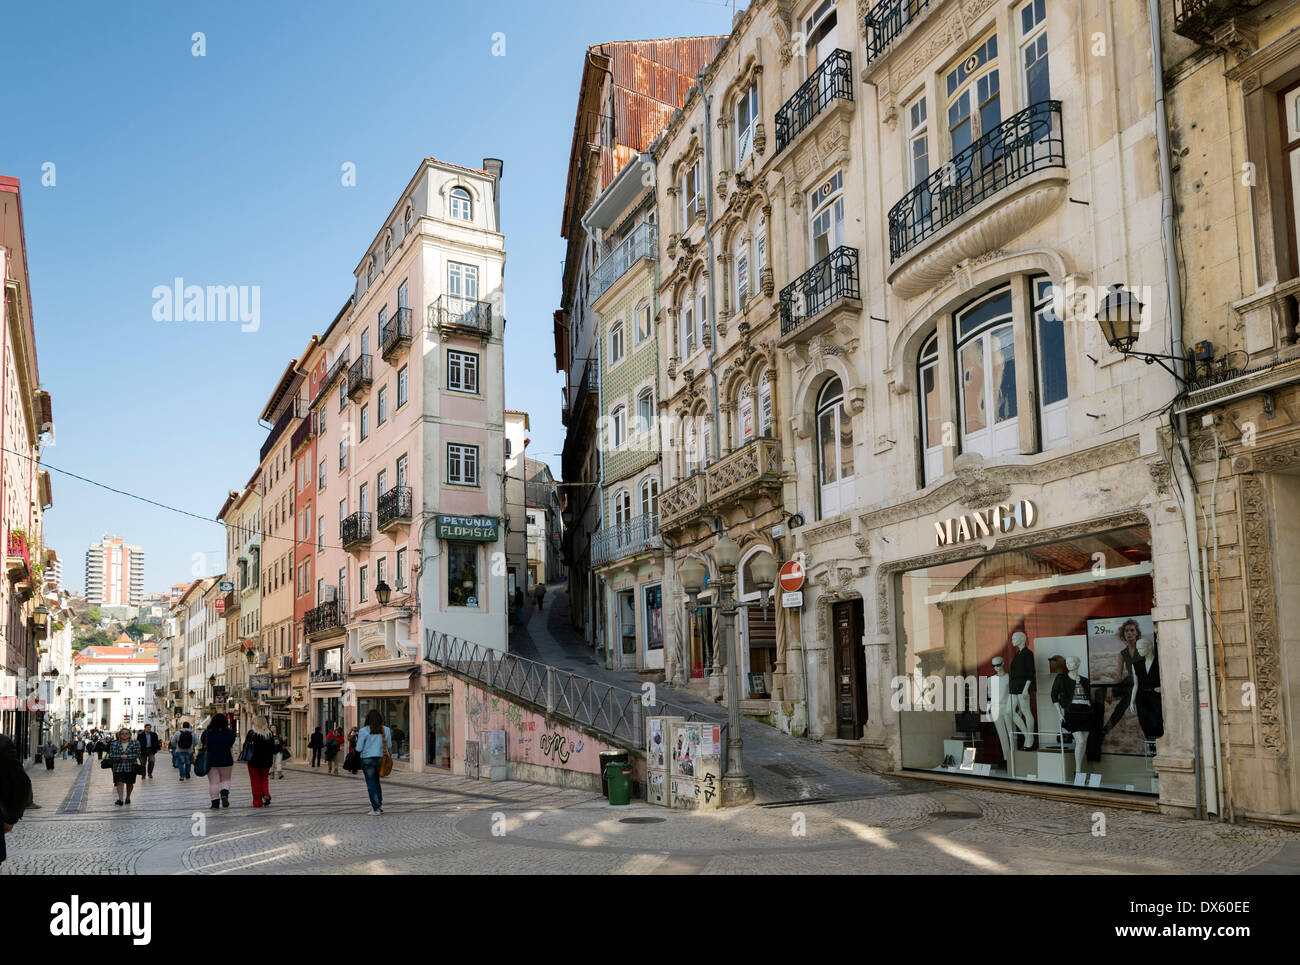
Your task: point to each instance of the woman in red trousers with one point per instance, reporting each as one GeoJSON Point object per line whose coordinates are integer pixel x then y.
{"type": "Point", "coordinates": [259, 764]}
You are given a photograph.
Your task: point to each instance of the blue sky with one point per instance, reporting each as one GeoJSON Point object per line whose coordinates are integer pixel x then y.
{"type": "Point", "coordinates": [225, 169]}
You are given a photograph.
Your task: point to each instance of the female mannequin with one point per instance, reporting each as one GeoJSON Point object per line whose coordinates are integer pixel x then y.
{"type": "Point", "coordinates": [1000, 706]}
{"type": "Point", "coordinates": [1073, 702]}
{"type": "Point", "coordinates": [1147, 671]}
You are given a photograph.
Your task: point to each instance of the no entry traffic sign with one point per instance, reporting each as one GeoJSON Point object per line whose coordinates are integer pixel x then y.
{"type": "Point", "coordinates": [791, 577]}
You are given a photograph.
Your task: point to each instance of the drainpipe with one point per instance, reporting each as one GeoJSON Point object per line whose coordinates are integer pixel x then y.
{"type": "Point", "coordinates": [1185, 480]}
{"type": "Point", "coordinates": [708, 241]}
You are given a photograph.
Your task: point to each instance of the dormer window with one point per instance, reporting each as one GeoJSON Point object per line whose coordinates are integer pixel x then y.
{"type": "Point", "coordinates": [370, 271]}
{"type": "Point", "coordinates": [406, 220]}
{"type": "Point", "coordinates": [462, 207]}
{"type": "Point", "coordinates": [388, 248]}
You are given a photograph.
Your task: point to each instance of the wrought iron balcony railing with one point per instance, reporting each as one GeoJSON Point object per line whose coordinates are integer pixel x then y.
{"type": "Point", "coordinates": [451, 311]}
{"type": "Point", "coordinates": [832, 81]}
{"type": "Point", "coordinates": [281, 424]}
{"type": "Point", "coordinates": [330, 615]}
{"type": "Point", "coordinates": [832, 279]}
{"type": "Point", "coordinates": [339, 367]}
{"type": "Point", "coordinates": [634, 536]}
{"type": "Point", "coordinates": [886, 21]}
{"type": "Point", "coordinates": [359, 376]}
{"type": "Point", "coordinates": [355, 530]}
{"type": "Point", "coordinates": [641, 243]}
{"type": "Point", "coordinates": [394, 506]}
{"type": "Point", "coordinates": [302, 435]}
{"type": "Point", "coordinates": [395, 333]}
{"type": "Point", "coordinates": [1024, 143]}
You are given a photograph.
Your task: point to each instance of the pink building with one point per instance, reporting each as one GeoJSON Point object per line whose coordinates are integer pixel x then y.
{"type": "Point", "coordinates": [409, 434]}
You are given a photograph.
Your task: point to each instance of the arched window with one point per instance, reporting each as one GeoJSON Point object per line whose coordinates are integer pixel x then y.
{"type": "Point", "coordinates": [642, 322]}
{"type": "Point", "coordinates": [706, 441]}
{"type": "Point", "coordinates": [388, 247]}
{"type": "Point", "coordinates": [618, 427]}
{"type": "Point", "coordinates": [834, 450]}
{"type": "Point", "coordinates": [931, 409]}
{"type": "Point", "coordinates": [616, 343]}
{"type": "Point", "coordinates": [406, 220]}
{"type": "Point", "coordinates": [370, 271]}
{"type": "Point", "coordinates": [691, 445]}
{"type": "Point", "coordinates": [622, 509]}
{"type": "Point", "coordinates": [986, 358]}
{"type": "Point", "coordinates": [462, 207]}
{"type": "Point", "coordinates": [645, 410]}
{"type": "Point", "coordinates": [764, 406]}
{"type": "Point", "coordinates": [650, 497]}
{"type": "Point", "coordinates": [688, 326]}
{"type": "Point", "coordinates": [744, 413]}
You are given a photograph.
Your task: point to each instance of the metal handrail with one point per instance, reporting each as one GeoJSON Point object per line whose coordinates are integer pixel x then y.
{"type": "Point", "coordinates": [395, 331]}
{"type": "Point", "coordinates": [359, 374]}
{"type": "Point", "coordinates": [456, 312]}
{"type": "Point", "coordinates": [355, 529]}
{"type": "Point", "coordinates": [831, 81]}
{"type": "Point", "coordinates": [641, 243]}
{"type": "Point", "coordinates": [833, 278]}
{"type": "Point", "coordinates": [394, 504]}
{"type": "Point", "coordinates": [886, 20]}
{"type": "Point", "coordinates": [623, 539]}
{"type": "Point", "coordinates": [1022, 144]}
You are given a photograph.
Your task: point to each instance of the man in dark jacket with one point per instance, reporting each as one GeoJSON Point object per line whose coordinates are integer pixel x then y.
{"type": "Point", "coordinates": [15, 790]}
{"type": "Point", "coordinates": [316, 744]}
{"type": "Point", "coordinates": [150, 744]}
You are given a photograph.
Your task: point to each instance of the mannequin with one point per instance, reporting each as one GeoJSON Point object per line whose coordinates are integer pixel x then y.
{"type": "Point", "coordinates": [1073, 702]}
{"type": "Point", "coordinates": [1147, 700]}
{"type": "Point", "coordinates": [1000, 706]}
{"type": "Point", "coordinates": [1022, 682]}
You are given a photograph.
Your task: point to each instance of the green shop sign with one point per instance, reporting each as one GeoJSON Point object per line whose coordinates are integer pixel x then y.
{"type": "Point", "coordinates": [481, 529]}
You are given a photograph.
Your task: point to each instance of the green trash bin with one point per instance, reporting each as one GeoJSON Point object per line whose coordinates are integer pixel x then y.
{"type": "Point", "coordinates": [607, 758]}
{"type": "Point", "coordinates": [618, 775]}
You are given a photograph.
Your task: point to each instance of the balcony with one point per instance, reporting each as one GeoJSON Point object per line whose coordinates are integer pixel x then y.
{"type": "Point", "coordinates": [355, 530]}
{"type": "Point", "coordinates": [1003, 184]}
{"type": "Point", "coordinates": [302, 435]}
{"type": "Point", "coordinates": [638, 535]}
{"type": "Point", "coordinates": [394, 507]}
{"type": "Point", "coordinates": [395, 334]}
{"type": "Point", "coordinates": [337, 369]}
{"type": "Point", "coordinates": [887, 20]}
{"type": "Point", "coordinates": [831, 82]}
{"type": "Point", "coordinates": [17, 557]}
{"type": "Point", "coordinates": [683, 502]}
{"type": "Point", "coordinates": [281, 426]}
{"type": "Point", "coordinates": [231, 603]}
{"type": "Point", "coordinates": [1212, 23]}
{"type": "Point", "coordinates": [325, 676]}
{"type": "Point", "coordinates": [811, 303]}
{"type": "Point", "coordinates": [451, 314]}
{"type": "Point", "coordinates": [641, 243]}
{"type": "Point", "coordinates": [744, 473]}
{"type": "Point", "coordinates": [359, 377]}
{"type": "Point", "coordinates": [329, 617]}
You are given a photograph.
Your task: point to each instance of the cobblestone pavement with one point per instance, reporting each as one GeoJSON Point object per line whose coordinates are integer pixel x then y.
{"type": "Point", "coordinates": [435, 823]}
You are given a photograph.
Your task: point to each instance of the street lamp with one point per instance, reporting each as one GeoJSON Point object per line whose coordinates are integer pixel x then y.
{"type": "Point", "coordinates": [383, 592]}
{"type": "Point", "coordinates": [737, 788]}
{"type": "Point", "coordinates": [1120, 318]}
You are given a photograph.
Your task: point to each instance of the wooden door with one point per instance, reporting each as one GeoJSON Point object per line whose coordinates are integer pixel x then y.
{"type": "Point", "coordinates": [850, 673]}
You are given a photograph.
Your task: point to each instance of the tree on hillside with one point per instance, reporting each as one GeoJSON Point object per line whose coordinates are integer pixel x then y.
{"type": "Point", "coordinates": [95, 638]}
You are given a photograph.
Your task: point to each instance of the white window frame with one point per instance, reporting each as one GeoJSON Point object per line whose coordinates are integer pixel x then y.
{"type": "Point", "coordinates": [616, 343]}
{"type": "Point", "coordinates": [645, 410]}
{"type": "Point", "coordinates": [746, 117]}
{"type": "Point", "coordinates": [644, 323]}
{"type": "Point", "coordinates": [618, 427]}
{"type": "Point", "coordinates": [460, 204]}
{"type": "Point", "coordinates": [462, 371]}
{"type": "Point", "coordinates": [465, 459]}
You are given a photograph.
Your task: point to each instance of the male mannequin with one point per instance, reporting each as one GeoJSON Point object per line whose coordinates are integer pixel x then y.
{"type": "Point", "coordinates": [1073, 702]}
{"type": "Point", "coordinates": [1147, 699]}
{"type": "Point", "coordinates": [1022, 682]}
{"type": "Point", "coordinates": [999, 691]}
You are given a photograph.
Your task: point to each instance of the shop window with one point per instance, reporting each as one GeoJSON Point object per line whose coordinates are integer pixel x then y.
{"type": "Point", "coordinates": [834, 450]}
{"type": "Point", "coordinates": [462, 574]}
{"type": "Point", "coordinates": [396, 712]}
{"type": "Point", "coordinates": [1033, 664]}
{"type": "Point", "coordinates": [986, 354]}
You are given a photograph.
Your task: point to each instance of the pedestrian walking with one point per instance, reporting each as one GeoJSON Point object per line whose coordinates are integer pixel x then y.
{"type": "Point", "coordinates": [124, 761]}
{"type": "Point", "coordinates": [277, 762]}
{"type": "Point", "coordinates": [539, 591]}
{"type": "Point", "coordinates": [79, 748]}
{"type": "Point", "coordinates": [372, 744]}
{"type": "Point", "coordinates": [219, 740]}
{"type": "Point", "coordinates": [519, 604]}
{"type": "Point", "coordinates": [101, 748]}
{"type": "Point", "coordinates": [316, 744]}
{"type": "Point", "coordinates": [63, 750]}
{"type": "Point", "coordinates": [49, 750]}
{"type": "Point", "coordinates": [183, 750]}
{"type": "Point", "coordinates": [259, 753]}
{"type": "Point", "coordinates": [15, 790]}
{"type": "Point", "coordinates": [333, 744]}
{"type": "Point", "coordinates": [150, 745]}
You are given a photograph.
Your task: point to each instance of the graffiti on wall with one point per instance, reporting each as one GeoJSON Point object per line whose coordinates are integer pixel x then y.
{"type": "Point", "coordinates": [558, 747]}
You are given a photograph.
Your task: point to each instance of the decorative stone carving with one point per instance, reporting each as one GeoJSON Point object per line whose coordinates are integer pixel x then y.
{"type": "Point", "coordinates": [977, 488]}
{"type": "Point", "coordinates": [767, 282]}
{"type": "Point", "coordinates": [1262, 606]}
{"type": "Point", "coordinates": [760, 139]}
{"type": "Point", "coordinates": [1159, 476]}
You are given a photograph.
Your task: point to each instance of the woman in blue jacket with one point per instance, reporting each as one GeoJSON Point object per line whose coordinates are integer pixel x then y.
{"type": "Point", "coordinates": [372, 740]}
{"type": "Point", "coordinates": [219, 739]}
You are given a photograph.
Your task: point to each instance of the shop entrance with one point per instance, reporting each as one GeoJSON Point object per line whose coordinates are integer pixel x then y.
{"type": "Point", "coordinates": [627, 628]}
{"type": "Point", "coordinates": [850, 673]}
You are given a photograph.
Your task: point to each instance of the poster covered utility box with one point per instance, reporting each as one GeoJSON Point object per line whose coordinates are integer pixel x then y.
{"type": "Point", "coordinates": [695, 765]}
{"type": "Point", "coordinates": [657, 757]}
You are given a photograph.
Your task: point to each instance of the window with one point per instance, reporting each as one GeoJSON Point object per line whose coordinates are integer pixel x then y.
{"type": "Point", "coordinates": [379, 571]}
{"type": "Point", "coordinates": [918, 144]}
{"type": "Point", "coordinates": [306, 473]}
{"type": "Point", "coordinates": [406, 220]}
{"type": "Point", "coordinates": [362, 588]}
{"type": "Point", "coordinates": [650, 497]}
{"type": "Point", "coordinates": [370, 271]}
{"type": "Point", "coordinates": [1033, 52]}
{"type": "Point", "coordinates": [643, 322]}
{"type": "Point", "coordinates": [834, 450]}
{"type": "Point", "coordinates": [691, 202]}
{"type": "Point", "coordinates": [618, 427]}
{"type": "Point", "coordinates": [746, 122]}
{"type": "Point", "coordinates": [399, 581]}
{"type": "Point", "coordinates": [462, 207]}
{"type": "Point", "coordinates": [741, 256]}
{"type": "Point", "coordinates": [320, 475]}
{"type": "Point", "coordinates": [401, 470]}
{"type": "Point", "coordinates": [744, 413]}
{"type": "Point", "coordinates": [826, 223]}
{"type": "Point", "coordinates": [380, 321]}
{"type": "Point", "coordinates": [343, 395]}
{"type": "Point", "coordinates": [388, 248]}
{"type": "Point", "coordinates": [509, 447]}
{"type": "Point", "coordinates": [986, 358]}
{"type": "Point", "coordinates": [343, 585]}
{"type": "Point", "coordinates": [691, 444]}
{"type": "Point", "coordinates": [401, 386]}
{"type": "Point", "coordinates": [462, 281]}
{"type": "Point", "coordinates": [462, 574]}
{"type": "Point", "coordinates": [363, 499]}
{"type": "Point", "coordinates": [616, 343]}
{"type": "Point", "coordinates": [343, 456]}
{"type": "Point", "coordinates": [403, 295]}
{"type": "Point", "coordinates": [974, 98]}
{"type": "Point", "coordinates": [462, 464]}
{"type": "Point", "coordinates": [320, 535]}
{"type": "Point", "coordinates": [1053, 391]}
{"type": "Point", "coordinates": [343, 510]}
{"type": "Point", "coordinates": [645, 406]}
{"type": "Point", "coordinates": [621, 509]}
{"type": "Point", "coordinates": [765, 406]}
{"type": "Point", "coordinates": [760, 245]}
{"type": "Point", "coordinates": [365, 336]}
{"type": "Point", "coordinates": [688, 327]}
{"type": "Point", "coordinates": [381, 403]}
{"type": "Point", "coordinates": [931, 414]}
